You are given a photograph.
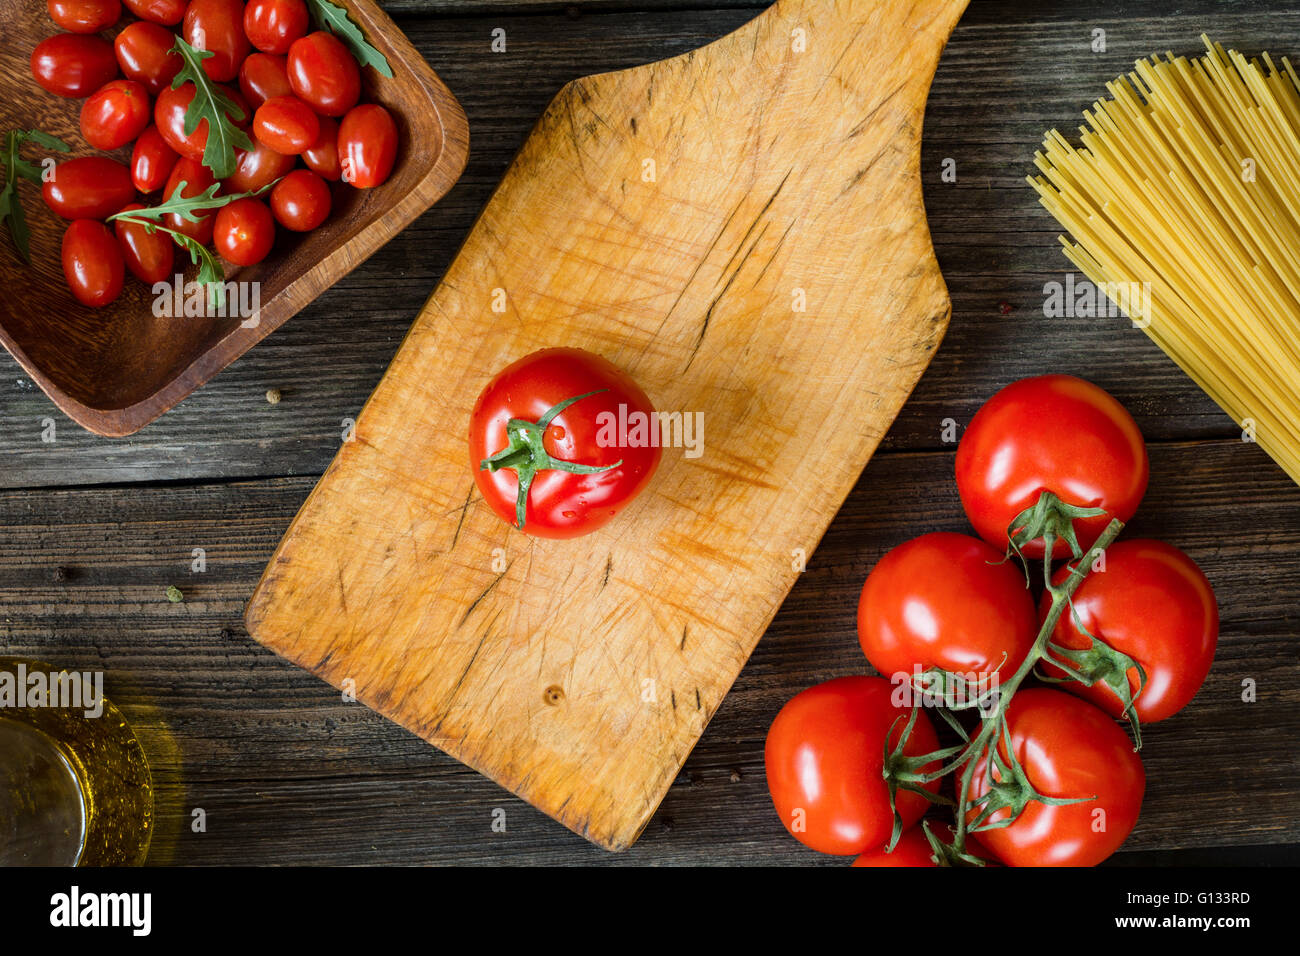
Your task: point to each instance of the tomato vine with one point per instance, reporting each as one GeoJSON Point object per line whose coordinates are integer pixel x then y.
{"type": "Point", "coordinates": [1010, 789]}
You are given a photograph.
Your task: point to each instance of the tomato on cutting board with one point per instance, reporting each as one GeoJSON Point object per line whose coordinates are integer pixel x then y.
{"type": "Point", "coordinates": [1154, 604]}
{"type": "Point", "coordinates": [1069, 750]}
{"type": "Point", "coordinates": [948, 601]}
{"type": "Point", "coordinates": [544, 452]}
{"type": "Point", "coordinates": [824, 758]}
{"type": "Point", "coordinates": [1053, 433]}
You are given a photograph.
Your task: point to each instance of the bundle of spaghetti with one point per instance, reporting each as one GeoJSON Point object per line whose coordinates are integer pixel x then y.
{"type": "Point", "coordinates": [1188, 178]}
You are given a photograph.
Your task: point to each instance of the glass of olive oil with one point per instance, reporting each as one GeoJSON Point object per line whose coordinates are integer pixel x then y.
{"type": "Point", "coordinates": [75, 788]}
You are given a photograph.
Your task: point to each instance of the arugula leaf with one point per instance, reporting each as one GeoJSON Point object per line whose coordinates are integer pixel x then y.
{"type": "Point", "coordinates": [212, 104]}
{"type": "Point", "coordinates": [335, 19]}
{"type": "Point", "coordinates": [15, 167]}
{"type": "Point", "coordinates": [211, 274]}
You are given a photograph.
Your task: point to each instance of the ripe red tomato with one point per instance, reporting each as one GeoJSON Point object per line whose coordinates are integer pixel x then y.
{"type": "Point", "coordinates": [262, 77]}
{"type": "Point", "coordinates": [949, 601]}
{"type": "Point", "coordinates": [148, 255]}
{"type": "Point", "coordinates": [197, 179]}
{"type": "Point", "coordinates": [912, 849]}
{"type": "Point", "coordinates": [323, 156]}
{"type": "Point", "coordinates": [824, 756]}
{"type": "Point", "coordinates": [144, 51]}
{"type": "Point", "coordinates": [257, 168]}
{"type": "Point", "coordinates": [169, 117]}
{"type": "Point", "coordinates": [152, 161]}
{"type": "Point", "coordinates": [1155, 605]}
{"type": "Point", "coordinates": [324, 74]}
{"type": "Point", "coordinates": [71, 65]}
{"type": "Point", "coordinates": [562, 504]}
{"type": "Point", "coordinates": [286, 124]}
{"type": "Point", "coordinates": [1068, 749]}
{"type": "Point", "coordinates": [367, 145]}
{"type": "Point", "coordinates": [1053, 433]}
{"type": "Point", "coordinates": [273, 25]}
{"type": "Point", "coordinates": [91, 187]}
{"type": "Point", "coordinates": [244, 231]}
{"type": "Point", "coordinates": [217, 26]}
{"type": "Point", "coordinates": [92, 263]}
{"type": "Point", "coordinates": [84, 16]}
{"type": "Point", "coordinates": [301, 201]}
{"type": "Point", "coordinates": [115, 114]}
{"type": "Point", "coordinates": [164, 12]}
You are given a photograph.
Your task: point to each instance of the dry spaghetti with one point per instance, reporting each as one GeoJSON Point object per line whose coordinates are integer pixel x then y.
{"type": "Point", "coordinates": [1188, 178]}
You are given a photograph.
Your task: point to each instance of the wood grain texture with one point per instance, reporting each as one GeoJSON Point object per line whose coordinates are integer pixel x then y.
{"type": "Point", "coordinates": [993, 243]}
{"type": "Point", "coordinates": [579, 674]}
{"type": "Point", "coordinates": [114, 370]}
{"type": "Point", "coordinates": [289, 773]}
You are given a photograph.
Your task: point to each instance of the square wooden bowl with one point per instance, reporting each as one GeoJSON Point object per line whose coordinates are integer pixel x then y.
{"type": "Point", "coordinates": [114, 370]}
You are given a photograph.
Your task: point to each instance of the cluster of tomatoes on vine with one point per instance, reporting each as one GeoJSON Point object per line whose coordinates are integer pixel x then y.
{"type": "Point", "coordinates": [1042, 773]}
{"type": "Point", "coordinates": [211, 151]}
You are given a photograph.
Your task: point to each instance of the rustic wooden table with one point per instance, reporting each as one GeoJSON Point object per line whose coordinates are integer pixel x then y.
{"type": "Point", "coordinates": [93, 531]}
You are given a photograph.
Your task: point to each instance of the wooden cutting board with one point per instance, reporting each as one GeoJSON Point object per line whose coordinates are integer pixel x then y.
{"type": "Point", "coordinates": [741, 228]}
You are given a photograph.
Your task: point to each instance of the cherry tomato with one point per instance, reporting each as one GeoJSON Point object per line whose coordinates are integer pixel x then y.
{"type": "Point", "coordinates": [115, 114]}
{"type": "Point", "coordinates": [152, 161]}
{"type": "Point", "coordinates": [244, 231]}
{"type": "Point", "coordinates": [1154, 604]}
{"type": "Point", "coordinates": [167, 13]}
{"type": "Point", "coordinates": [560, 503]}
{"type": "Point", "coordinates": [323, 156]}
{"type": "Point", "coordinates": [367, 145]}
{"type": "Point", "coordinates": [144, 51]}
{"type": "Point", "coordinates": [286, 124]}
{"type": "Point", "coordinates": [197, 179]}
{"type": "Point", "coordinates": [301, 201]}
{"type": "Point", "coordinates": [91, 187]}
{"type": "Point", "coordinates": [262, 77]}
{"type": "Point", "coordinates": [169, 116]}
{"type": "Point", "coordinates": [84, 16]}
{"type": "Point", "coordinates": [1068, 749]}
{"type": "Point", "coordinates": [148, 255]}
{"type": "Point", "coordinates": [92, 263]}
{"type": "Point", "coordinates": [948, 601]}
{"type": "Point", "coordinates": [217, 26]}
{"type": "Point", "coordinates": [824, 755]}
{"type": "Point", "coordinates": [1054, 433]}
{"type": "Point", "coordinates": [72, 65]}
{"type": "Point", "coordinates": [257, 168]}
{"type": "Point", "coordinates": [324, 74]}
{"type": "Point", "coordinates": [273, 25]}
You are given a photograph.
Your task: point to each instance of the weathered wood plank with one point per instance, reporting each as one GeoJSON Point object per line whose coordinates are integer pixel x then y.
{"type": "Point", "coordinates": [993, 243]}
{"type": "Point", "coordinates": [289, 773]}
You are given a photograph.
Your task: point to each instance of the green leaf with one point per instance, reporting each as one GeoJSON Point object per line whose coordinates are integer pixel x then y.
{"type": "Point", "coordinates": [188, 208]}
{"type": "Point", "coordinates": [15, 168]}
{"type": "Point", "coordinates": [335, 19]}
{"type": "Point", "coordinates": [47, 141]}
{"type": "Point", "coordinates": [212, 104]}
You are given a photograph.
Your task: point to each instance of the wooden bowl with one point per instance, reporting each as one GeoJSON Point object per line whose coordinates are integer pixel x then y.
{"type": "Point", "coordinates": [114, 370]}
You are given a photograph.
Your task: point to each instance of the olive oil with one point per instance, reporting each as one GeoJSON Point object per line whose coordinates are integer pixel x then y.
{"type": "Point", "coordinates": [74, 783]}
